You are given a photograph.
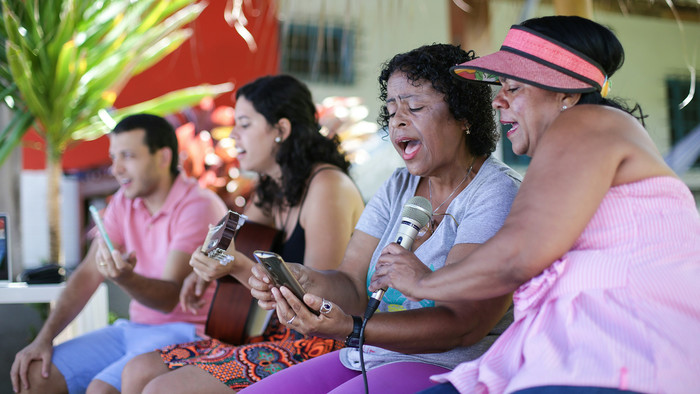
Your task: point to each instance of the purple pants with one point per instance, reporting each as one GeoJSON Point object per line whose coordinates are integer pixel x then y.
{"type": "Point", "coordinates": [326, 374]}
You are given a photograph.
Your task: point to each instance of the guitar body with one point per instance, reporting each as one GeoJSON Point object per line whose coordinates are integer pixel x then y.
{"type": "Point", "coordinates": [232, 301]}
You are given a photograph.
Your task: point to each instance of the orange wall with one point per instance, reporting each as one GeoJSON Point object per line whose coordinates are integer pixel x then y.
{"type": "Point", "coordinates": [215, 53]}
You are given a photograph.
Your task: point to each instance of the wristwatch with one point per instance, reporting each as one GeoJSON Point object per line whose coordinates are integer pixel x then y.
{"type": "Point", "coordinates": [353, 340]}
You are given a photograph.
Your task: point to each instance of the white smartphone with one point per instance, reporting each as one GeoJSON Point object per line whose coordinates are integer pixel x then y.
{"type": "Point", "coordinates": [98, 221]}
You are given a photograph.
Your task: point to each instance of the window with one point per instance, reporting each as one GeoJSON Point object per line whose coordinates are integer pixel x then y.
{"type": "Point", "coordinates": [318, 54]}
{"type": "Point", "coordinates": [686, 119]}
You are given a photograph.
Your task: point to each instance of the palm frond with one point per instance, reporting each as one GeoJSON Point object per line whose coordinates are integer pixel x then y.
{"type": "Point", "coordinates": [65, 61]}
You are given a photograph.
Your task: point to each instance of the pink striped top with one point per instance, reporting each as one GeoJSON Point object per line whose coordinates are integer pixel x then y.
{"type": "Point", "coordinates": [621, 309]}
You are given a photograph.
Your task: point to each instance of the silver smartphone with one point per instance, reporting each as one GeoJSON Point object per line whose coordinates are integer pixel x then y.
{"type": "Point", "coordinates": [98, 221]}
{"type": "Point", "coordinates": [280, 273]}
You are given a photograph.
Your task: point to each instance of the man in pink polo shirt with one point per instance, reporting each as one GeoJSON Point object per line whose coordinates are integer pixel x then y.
{"type": "Point", "coordinates": [156, 220]}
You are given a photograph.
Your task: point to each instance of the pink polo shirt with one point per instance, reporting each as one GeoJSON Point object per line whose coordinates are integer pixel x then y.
{"type": "Point", "coordinates": [181, 224]}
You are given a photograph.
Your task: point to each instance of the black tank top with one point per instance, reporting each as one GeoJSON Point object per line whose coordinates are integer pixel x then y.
{"type": "Point", "coordinates": [294, 248]}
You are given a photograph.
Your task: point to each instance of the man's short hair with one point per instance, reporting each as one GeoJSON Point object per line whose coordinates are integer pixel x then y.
{"type": "Point", "coordinates": [159, 134]}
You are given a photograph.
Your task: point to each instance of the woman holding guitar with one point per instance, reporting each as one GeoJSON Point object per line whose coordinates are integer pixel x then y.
{"type": "Point", "coordinates": [304, 190]}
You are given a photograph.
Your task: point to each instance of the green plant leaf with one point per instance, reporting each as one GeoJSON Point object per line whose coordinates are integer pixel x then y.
{"type": "Point", "coordinates": [65, 61]}
{"type": "Point", "coordinates": [163, 48]}
{"type": "Point", "coordinates": [12, 134]}
{"type": "Point", "coordinates": [163, 105]}
{"type": "Point", "coordinates": [21, 70]}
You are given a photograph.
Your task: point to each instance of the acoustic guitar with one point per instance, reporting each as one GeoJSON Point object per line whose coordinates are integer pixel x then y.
{"type": "Point", "coordinates": [233, 306]}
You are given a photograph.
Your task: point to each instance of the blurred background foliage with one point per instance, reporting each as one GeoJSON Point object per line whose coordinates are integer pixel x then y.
{"type": "Point", "coordinates": [65, 62]}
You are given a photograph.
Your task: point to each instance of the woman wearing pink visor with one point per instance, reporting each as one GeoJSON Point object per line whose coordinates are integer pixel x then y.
{"type": "Point", "coordinates": [601, 247]}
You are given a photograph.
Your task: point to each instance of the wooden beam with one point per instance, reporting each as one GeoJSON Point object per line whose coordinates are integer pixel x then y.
{"type": "Point", "coordinates": [582, 8]}
{"type": "Point", "coordinates": [470, 25]}
{"type": "Point", "coordinates": [687, 10]}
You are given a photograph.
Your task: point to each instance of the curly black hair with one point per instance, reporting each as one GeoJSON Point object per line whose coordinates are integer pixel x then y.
{"type": "Point", "coordinates": [283, 96]}
{"type": "Point", "coordinates": [467, 102]}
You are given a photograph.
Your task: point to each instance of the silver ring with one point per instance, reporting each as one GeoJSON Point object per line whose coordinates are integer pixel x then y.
{"type": "Point", "coordinates": [291, 320]}
{"type": "Point", "coordinates": [326, 307]}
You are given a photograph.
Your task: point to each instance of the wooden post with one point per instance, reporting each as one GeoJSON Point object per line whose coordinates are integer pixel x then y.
{"type": "Point", "coordinates": [582, 8]}
{"type": "Point", "coordinates": [470, 25]}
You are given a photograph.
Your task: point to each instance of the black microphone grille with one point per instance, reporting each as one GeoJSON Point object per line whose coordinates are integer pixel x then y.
{"type": "Point", "coordinates": [419, 209]}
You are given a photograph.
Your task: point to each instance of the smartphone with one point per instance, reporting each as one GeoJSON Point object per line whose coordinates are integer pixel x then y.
{"type": "Point", "coordinates": [98, 221]}
{"type": "Point", "coordinates": [280, 273]}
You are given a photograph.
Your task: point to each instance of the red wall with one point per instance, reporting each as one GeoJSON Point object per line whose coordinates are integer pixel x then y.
{"type": "Point", "coordinates": [214, 54]}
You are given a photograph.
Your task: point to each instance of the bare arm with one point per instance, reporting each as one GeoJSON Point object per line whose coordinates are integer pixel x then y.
{"type": "Point", "coordinates": [162, 293]}
{"type": "Point", "coordinates": [440, 328]}
{"type": "Point", "coordinates": [429, 330]}
{"type": "Point", "coordinates": [345, 286]}
{"type": "Point", "coordinates": [435, 329]}
{"type": "Point", "coordinates": [587, 150]}
{"type": "Point", "coordinates": [329, 214]}
{"type": "Point", "coordinates": [424, 330]}
{"type": "Point", "coordinates": [332, 207]}
{"type": "Point", "coordinates": [330, 210]}
{"type": "Point", "coordinates": [79, 288]}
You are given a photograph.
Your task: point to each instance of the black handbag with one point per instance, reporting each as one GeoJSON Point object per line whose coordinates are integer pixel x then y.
{"type": "Point", "coordinates": [51, 273]}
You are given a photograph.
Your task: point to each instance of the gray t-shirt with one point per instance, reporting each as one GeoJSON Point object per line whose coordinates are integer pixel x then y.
{"type": "Point", "coordinates": [480, 209]}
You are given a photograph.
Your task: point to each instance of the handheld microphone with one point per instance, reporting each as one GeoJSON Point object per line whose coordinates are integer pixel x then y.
{"type": "Point", "coordinates": [414, 216]}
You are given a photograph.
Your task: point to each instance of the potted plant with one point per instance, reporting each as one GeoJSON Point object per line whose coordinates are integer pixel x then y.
{"type": "Point", "coordinates": [64, 63]}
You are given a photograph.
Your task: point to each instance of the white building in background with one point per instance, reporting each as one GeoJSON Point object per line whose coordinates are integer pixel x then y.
{"type": "Point", "coordinates": [657, 52]}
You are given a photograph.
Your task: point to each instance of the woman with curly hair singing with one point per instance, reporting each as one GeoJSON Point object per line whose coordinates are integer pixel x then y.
{"type": "Point", "coordinates": [445, 132]}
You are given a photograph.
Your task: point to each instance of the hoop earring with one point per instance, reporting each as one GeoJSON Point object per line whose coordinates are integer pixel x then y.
{"type": "Point", "coordinates": [278, 139]}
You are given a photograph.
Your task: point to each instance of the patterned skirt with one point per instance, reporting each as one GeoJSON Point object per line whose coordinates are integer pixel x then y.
{"type": "Point", "coordinates": [240, 366]}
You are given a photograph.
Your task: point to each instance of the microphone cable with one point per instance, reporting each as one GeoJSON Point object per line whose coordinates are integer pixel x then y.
{"type": "Point", "coordinates": [372, 305]}
{"type": "Point", "coordinates": [362, 358]}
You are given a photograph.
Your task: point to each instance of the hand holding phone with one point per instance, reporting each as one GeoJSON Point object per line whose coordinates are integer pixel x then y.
{"type": "Point", "coordinates": [100, 226]}
{"type": "Point", "coordinates": [280, 273]}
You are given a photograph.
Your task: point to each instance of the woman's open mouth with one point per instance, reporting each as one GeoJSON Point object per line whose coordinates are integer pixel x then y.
{"type": "Point", "coordinates": [409, 148]}
{"type": "Point", "coordinates": [510, 127]}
